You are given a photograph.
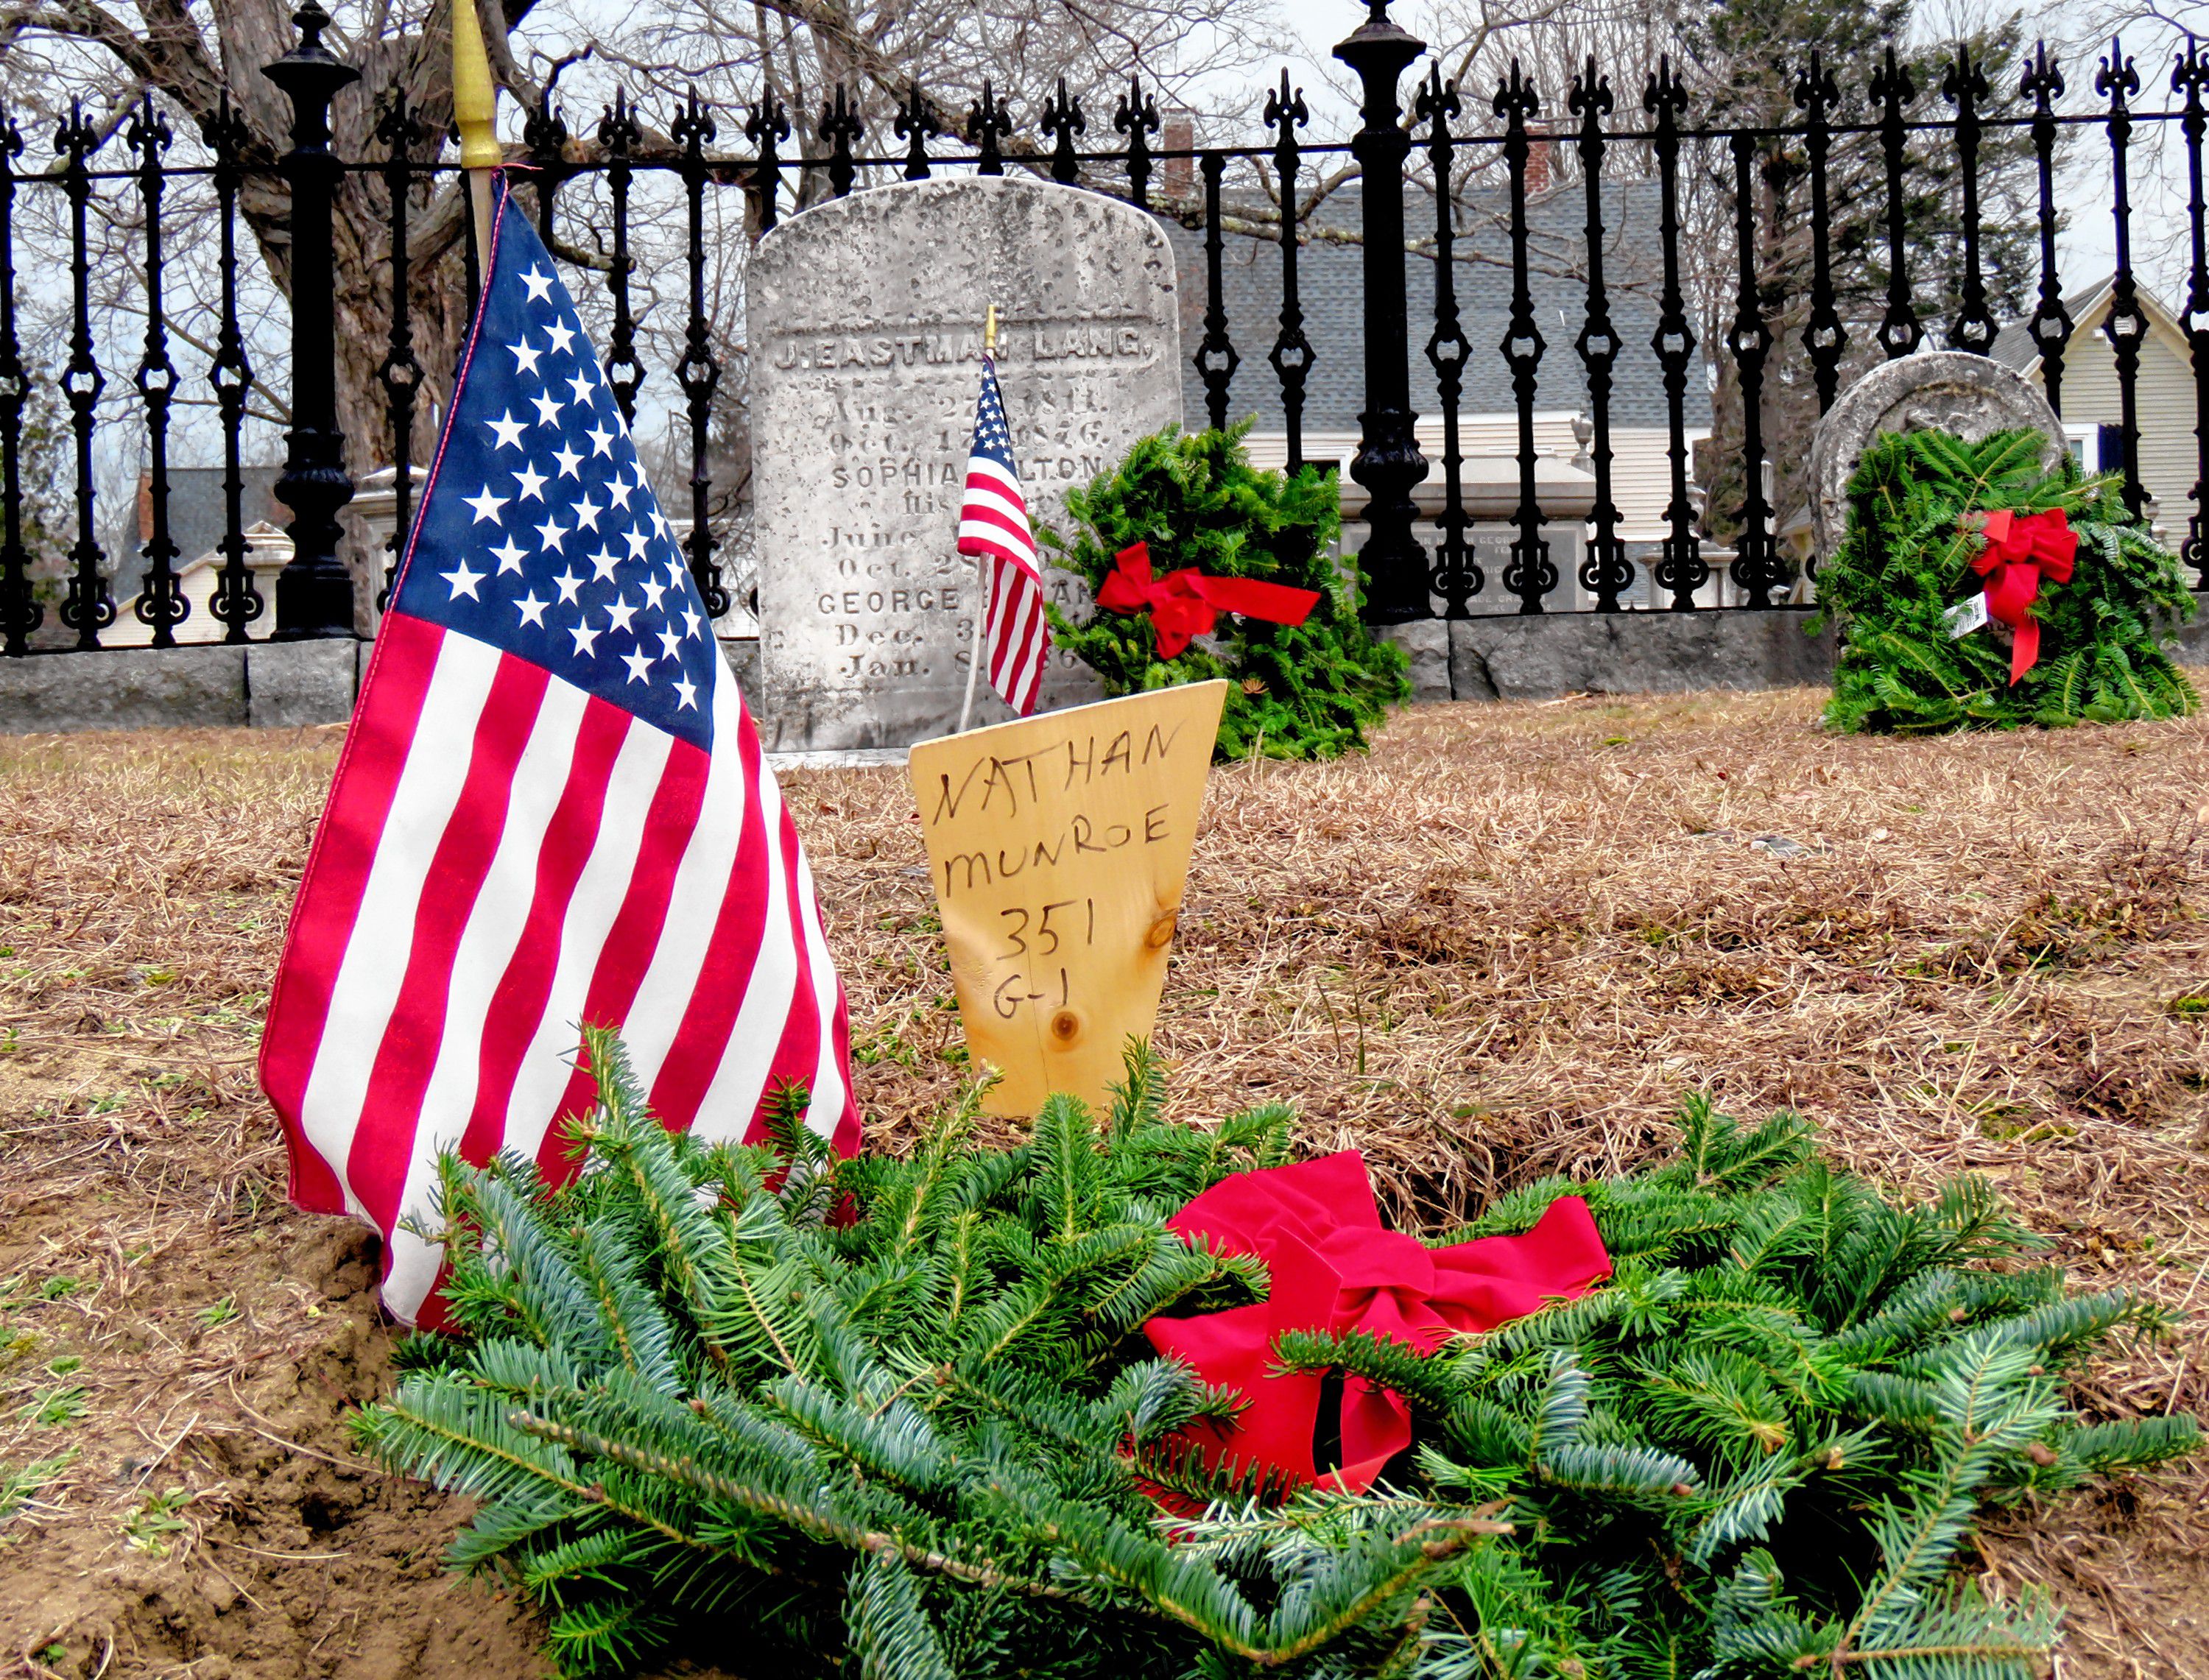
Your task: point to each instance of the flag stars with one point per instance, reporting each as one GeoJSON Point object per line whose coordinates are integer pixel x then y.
{"type": "Point", "coordinates": [571, 538]}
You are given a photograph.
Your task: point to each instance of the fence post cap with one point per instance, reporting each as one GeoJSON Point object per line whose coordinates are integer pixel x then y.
{"type": "Point", "coordinates": [1380, 41]}
{"type": "Point", "coordinates": [310, 70]}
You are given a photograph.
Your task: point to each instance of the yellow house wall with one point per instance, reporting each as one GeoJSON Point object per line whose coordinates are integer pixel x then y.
{"type": "Point", "coordinates": [2165, 405]}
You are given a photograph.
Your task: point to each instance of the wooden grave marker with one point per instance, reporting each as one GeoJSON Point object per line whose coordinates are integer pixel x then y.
{"type": "Point", "coordinates": [1059, 846]}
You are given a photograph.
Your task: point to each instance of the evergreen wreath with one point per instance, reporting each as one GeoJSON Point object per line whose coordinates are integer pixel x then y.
{"type": "Point", "coordinates": [1906, 559]}
{"type": "Point", "coordinates": [697, 1405]}
{"type": "Point", "coordinates": [1297, 691]}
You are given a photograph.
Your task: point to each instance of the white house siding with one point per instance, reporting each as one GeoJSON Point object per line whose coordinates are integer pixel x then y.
{"type": "Point", "coordinates": [1640, 470]}
{"type": "Point", "coordinates": [266, 551]}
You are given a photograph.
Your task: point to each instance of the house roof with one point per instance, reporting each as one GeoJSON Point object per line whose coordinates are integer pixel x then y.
{"type": "Point", "coordinates": [1330, 290]}
{"type": "Point", "coordinates": [2014, 346]}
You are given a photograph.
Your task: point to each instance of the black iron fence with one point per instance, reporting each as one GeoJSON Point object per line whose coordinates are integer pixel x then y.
{"type": "Point", "coordinates": [1449, 192]}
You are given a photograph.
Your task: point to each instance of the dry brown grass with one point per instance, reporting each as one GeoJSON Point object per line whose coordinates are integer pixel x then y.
{"type": "Point", "coordinates": [1508, 943]}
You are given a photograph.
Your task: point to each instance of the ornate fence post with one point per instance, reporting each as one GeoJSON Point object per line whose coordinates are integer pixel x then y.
{"type": "Point", "coordinates": [2050, 326]}
{"type": "Point", "coordinates": [87, 609]}
{"type": "Point", "coordinates": [1292, 355]}
{"type": "Point", "coordinates": [2125, 325]}
{"type": "Point", "coordinates": [1529, 574]}
{"type": "Point", "coordinates": [314, 592]}
{"type": "Point", "coordinates": [20, 611]}
{"type": "Point", "coordinates": [1388, 462]}
{"type": "Point", "coordinates": [2190, 76]}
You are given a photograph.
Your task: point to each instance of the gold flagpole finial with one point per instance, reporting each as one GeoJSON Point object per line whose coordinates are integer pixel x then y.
{"type": "Point", "coordinates": [475, 95]}
{"type": "Point", "coordinates": [990, 333]}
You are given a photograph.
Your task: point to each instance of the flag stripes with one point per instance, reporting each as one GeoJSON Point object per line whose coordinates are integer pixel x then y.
{"type": "Point", "coordinates": [565, 834]}
{"type": "Point", "coordinates": [1018, 636]}
{"type": "Point", "coordinates": [993, 526]}
{"type": "Point", "coordinates": [552, 810]}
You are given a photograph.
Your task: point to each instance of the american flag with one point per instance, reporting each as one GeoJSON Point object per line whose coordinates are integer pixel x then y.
{"type": "Point", "coordinates": [993, 522]}
{"type": "Point", "coordinates": [552, 810]}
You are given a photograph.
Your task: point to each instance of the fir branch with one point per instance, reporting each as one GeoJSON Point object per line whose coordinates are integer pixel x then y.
{"type": "Point", "coordinates": [931, 1429]}
{"type": "Point", "coordinates": [809, 1520]}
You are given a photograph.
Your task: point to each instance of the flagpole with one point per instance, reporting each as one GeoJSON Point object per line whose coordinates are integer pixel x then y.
{"type": "Point", "coordinates": [981, 564]}
{"type": "Point", "coordinates": [475, 114]}
{"type": "Point", "coordinates": [974, 663]}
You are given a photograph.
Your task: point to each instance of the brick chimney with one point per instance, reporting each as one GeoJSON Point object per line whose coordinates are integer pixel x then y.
{"type": "Point", "coordinates": [1178, 176]}
{"type": "Point", "coordinates": [1538, 163]}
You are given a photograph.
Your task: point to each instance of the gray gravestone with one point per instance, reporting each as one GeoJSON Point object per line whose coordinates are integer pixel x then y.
{"type": "Point", "coordinates": [1940, 390]}
{"type": "Point", "coordinates": [866, 321]}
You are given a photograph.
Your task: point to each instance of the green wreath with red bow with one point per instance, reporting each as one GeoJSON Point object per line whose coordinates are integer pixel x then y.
{"type": "Point", "coordinates": [1200, 565]}
{"type": "Point", "coordinates": [1975, 588]}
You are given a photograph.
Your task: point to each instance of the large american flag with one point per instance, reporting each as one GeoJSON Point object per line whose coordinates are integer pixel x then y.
{"type": "Point", "coordinates": [993, 524]}
{"type": "Point", "coordinates": [552, 810]}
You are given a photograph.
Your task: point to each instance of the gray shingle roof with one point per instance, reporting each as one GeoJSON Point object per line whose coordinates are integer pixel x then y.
{"type": "Point", "coordinates": [1331, 288]}
{"type": "Point", "coordinates": [2014, 346]}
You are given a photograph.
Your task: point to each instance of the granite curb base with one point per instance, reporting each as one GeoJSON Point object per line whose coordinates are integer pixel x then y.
{"type": "Point", "coordinates": [296, 685]}
{"type": "Point", "coordinates": [2193, 647]}
{"type": "Point", "coordinates": [261, 685]}
{"type": "Point", "coordinates": [1539, 657]}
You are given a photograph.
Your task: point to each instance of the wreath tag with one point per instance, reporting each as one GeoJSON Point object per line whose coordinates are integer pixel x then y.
{"type": "Point", "coordinates": [1967, 615]}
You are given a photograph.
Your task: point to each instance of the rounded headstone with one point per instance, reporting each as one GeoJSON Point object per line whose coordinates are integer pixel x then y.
{"type": "Point", "coordinates": [1940, 390]}
{"type": "Point", "coordinates": [865, 319]}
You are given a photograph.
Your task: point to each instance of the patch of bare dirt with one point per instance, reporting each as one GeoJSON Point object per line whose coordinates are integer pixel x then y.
{"type": "Point", "coordinates": [178, 1350]}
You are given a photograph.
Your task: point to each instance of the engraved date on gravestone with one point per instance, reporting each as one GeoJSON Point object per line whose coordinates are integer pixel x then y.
{"type": "Point", "coordinates": [895, 473]}
{"type": "Point", "coordinates": [866, 333]}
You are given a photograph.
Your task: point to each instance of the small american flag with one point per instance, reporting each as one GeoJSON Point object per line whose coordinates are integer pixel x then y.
{"type": "Point", "coordinates": [993, 522]}
{"type": "Point", "coordinates": [552, 810]}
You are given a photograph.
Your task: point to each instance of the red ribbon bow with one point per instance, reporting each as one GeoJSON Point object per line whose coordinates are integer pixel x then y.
{"type": "Point", "coordinates": [1186, 603]}
{"type": "Point", "coordinates": [1334, 1268]}
{"type": "Point", "coordinates": [2019, 548]}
